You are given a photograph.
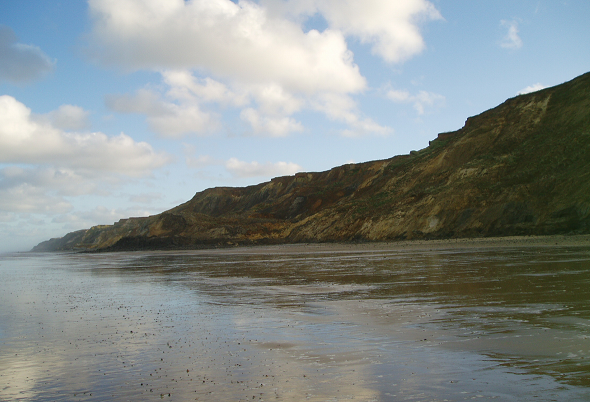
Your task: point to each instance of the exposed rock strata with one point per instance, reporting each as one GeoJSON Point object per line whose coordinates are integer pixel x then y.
{"type": "Point", "coordinates": [522, 168]}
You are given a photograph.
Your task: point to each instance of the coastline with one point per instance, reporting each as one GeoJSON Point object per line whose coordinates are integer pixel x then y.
{"type": "Point", "coordinates": [578, 240]}
{"type": "Point", "coordinates": [408, 245]}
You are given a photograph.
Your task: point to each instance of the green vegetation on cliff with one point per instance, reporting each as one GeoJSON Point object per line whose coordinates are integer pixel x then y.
{"type": "Point", "coordinates": [522, 168]}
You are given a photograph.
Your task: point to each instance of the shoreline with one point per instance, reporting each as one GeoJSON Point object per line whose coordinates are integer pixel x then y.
{"type": "Point", "coordinates": [579, 240]}
{"type": "Point", "coordinates": [402, 245]}
{"type": "Point", "coordinates": [480, 242]}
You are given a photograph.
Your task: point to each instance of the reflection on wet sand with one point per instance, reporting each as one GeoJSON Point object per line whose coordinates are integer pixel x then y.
{"type": "Point", "coordinates": [295, 324]}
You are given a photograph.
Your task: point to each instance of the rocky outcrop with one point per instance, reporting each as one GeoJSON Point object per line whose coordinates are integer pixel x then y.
{"type": "Point", "coordinates": [522, 168]}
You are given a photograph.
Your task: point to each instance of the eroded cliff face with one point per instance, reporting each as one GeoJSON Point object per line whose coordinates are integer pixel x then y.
{"type": "Point", "coordinates": [520, 168]}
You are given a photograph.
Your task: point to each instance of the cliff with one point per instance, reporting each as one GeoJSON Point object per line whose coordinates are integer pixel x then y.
{"type": "Point", "coordinates": [522, 168]}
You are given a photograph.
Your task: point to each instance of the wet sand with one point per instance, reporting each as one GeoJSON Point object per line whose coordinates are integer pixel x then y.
{"type": "Point", "coordinates": [459, 243]}
{"type": "Point", "coordinates": [501, 319]}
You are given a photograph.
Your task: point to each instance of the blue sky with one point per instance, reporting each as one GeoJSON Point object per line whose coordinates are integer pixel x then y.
{"type": "Point", "coordinates": [111, 109]}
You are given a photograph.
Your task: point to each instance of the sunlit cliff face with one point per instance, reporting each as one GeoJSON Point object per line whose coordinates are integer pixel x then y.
{"type": "Point", "coordinates": [516, 169]}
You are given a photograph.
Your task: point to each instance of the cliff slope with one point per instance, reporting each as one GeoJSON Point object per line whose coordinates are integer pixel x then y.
{"type": "Point", "coordinates": [520, 168]}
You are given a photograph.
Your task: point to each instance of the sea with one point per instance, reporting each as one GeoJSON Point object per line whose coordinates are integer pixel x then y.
{"type": "Point", "coordinates": [297, 323]}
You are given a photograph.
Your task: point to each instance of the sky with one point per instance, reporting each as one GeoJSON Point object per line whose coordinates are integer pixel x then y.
{"type": "Point", "coordinates": [117, 108]}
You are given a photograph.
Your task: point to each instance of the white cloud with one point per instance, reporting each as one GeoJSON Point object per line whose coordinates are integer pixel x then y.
{"type": "Point", "coordinates": [184, 86]}
{"type": "Point", "coordinates": [391, 27]}
{"type": "Point", "coordinates": [7, 217]}
{"type": "Point", "coordinates": [274, 100]}
{"type": "Point", "coordinates": [20, 63]}
{"type": "Point", "coordinates": [531, 88]}
{"type": "Point", "coordinates": [420, 101]}
{"type": "Point", "coordinates": [67, 117]}
{"type": "Point", "coordinates": [26, 198]}
{"type": "Point", "coordinates": [253, 56]}
{"type": "Point", "coordinates": [254, 169]}
{"type": "Point", "coordinates": [399, 96]}
{"type": "Point", "coordinates": [267, 109]}
{"type": "Point", "coordinates": [275, 106]}
{"type": "Point", "coordinates": [239, 168]}
{"type": "Point", "coordinates": [166, 118]}
{"type": "Point", "coordinates": [46, 165]}
{"type": "Point", "coordinates": [511, 40]}
{"type": "Point", "coordinates": [361, 127]}
{"type": "Point", "coordinates": [236, 41]}
{"type": "Point", "coordinates": [23, 139]}
{"type": "Point", "coordinates": [181, 112]}
{"type": "Point", "coordinates": [275, 126]}
{"type": "Point", "coordinates": [62, 182]}
{"type": "Point", "coordinates": [343, 108]}
{"type": "Point", "coordinates": [200, 161]}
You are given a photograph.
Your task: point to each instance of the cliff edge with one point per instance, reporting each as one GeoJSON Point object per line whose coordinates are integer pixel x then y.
{"type": "Point", "coordinates": [522, 168]}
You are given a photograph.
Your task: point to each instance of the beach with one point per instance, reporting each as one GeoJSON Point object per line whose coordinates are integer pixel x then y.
{"type": "Point", "coordinates": [492, 319]}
